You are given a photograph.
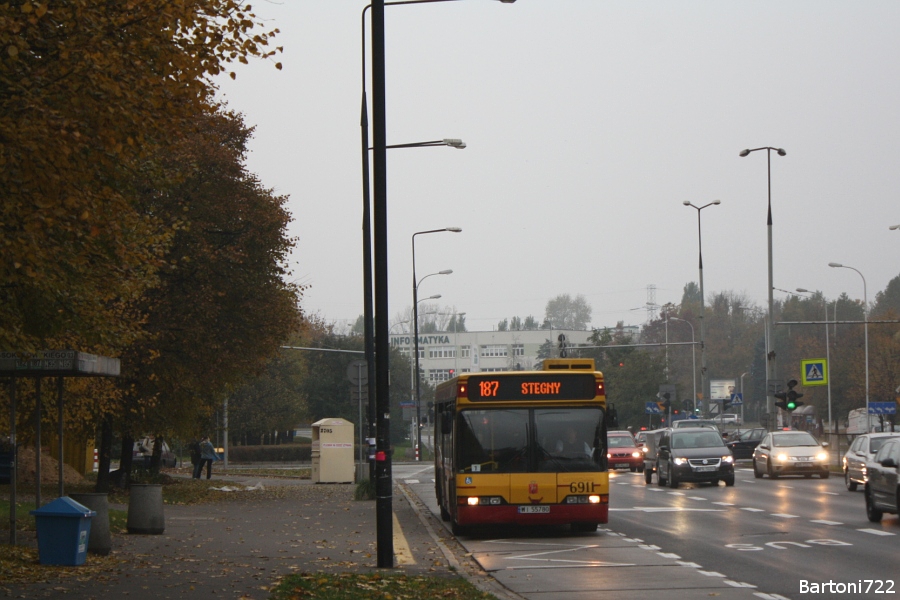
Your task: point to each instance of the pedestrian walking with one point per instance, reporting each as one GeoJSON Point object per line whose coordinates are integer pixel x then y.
{"type": "Point", "coordinates": [194, 449]}
{"type": "Point", "coordinates": [207, 456]}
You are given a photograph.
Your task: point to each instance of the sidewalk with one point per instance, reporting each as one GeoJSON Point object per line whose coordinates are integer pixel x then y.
{"type": "Point", "coordinates": [241, 548]}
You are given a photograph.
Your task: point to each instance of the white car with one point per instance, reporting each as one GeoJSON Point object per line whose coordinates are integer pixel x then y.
{"type": "Point", "coordinates": [790, 453]}
{"type": "Point", "coordinates": [728, 419]}
{"type": "Point", "coordinates": [862, 451]}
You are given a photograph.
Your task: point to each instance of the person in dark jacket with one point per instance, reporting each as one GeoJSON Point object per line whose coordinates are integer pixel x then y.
{"type": "Point", "coordinates": [207, 456]}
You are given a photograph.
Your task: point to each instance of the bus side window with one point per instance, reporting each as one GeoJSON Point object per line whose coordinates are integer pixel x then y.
{"type": "Point", "coordinates": [447, 420]}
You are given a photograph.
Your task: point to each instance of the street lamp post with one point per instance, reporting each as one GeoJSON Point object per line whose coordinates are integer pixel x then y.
{"type": "Point", "coordinates": [702, 299]}
{"type": "Point", "coordinates": [416, 325]}
{"type": "Point", "coordinates": [381, 345]}
{"type": "Point", "coordinates": [415, 346]}
{"type": "Point", "coordinates": [693, 357]}
{"type": "Point", "coordinates": [742, 397]}
{"type": "Point", "coordinates": [866, 325]}
{"type": "Point", "coordinates": [770, 340]}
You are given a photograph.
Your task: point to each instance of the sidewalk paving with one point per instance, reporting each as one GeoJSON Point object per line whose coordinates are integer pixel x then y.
{"type": "Point", "coordinates": [241, 548]}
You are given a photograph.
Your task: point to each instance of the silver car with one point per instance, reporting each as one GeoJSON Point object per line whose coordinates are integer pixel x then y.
{"type": "Point", "coordinates": [790, 453]}
{"type": "Point", "coordinates": [862, 451]}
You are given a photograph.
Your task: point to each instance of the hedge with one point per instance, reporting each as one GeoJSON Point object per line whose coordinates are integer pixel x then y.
{"type": "Point", "coordinates": [280, 453]}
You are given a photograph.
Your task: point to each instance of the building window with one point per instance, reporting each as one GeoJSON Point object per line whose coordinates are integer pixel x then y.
{"type": "Point", "coordinates": [495, 370]}
{"type": "Point", "coordinates": [404, 351]}
{"type": "Point", "coordinates": [442, 352]}
{"type": "Point", "coordinates": [494, 350]}
{"type": "Point", "coordinates": [465, 351]}
{"type": "Point", "coordinates": [438, 375]}
{"type": "Point", "coordinates": [518, 349]}
{"type": "Point", "coordinates": [421, 353]}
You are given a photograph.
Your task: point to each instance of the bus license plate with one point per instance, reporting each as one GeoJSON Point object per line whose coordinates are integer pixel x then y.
{"type": "Point", "coordinates": [539, 509]}
{"type": "Point", "coordinates": [705, 468]}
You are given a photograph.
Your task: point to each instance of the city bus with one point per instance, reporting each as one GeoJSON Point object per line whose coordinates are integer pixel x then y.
{"type": "Point", "coordinates": [523, 447]}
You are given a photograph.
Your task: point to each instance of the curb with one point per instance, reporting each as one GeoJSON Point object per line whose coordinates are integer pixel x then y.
{"type": "Point", "coordinates": [467, 568]}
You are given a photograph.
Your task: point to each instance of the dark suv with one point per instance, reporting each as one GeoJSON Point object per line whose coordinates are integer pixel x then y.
{"type": "Point", "coordinates": [693, 454]}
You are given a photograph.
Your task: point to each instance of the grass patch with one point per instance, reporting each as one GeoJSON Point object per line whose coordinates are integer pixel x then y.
{"type": "Point", "coordinates": [368, 586]}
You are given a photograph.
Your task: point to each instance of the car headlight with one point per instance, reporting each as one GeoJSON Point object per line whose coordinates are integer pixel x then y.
{"type": "Point", "coordinates": [728, 459]}
{"type": "Point", "coordinates": [781, 457]}
{"type": "Point", "coordinates": [679, 461]}
{"type": "Point", "coordinates": [822, 456]}
{"type": "Point", "coordinates": [636, 455]}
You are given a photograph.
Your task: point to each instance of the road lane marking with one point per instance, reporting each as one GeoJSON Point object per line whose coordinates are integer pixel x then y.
{"type": "Point", "coordinates": [677, 493]}
{"type": "Point", "coordinates": [784, 515]}
{"type": "Point", "coordinates": [724, 503]}
{"type": "Point", "coordinates": [669, 555]}
{"type": "Point", "coordinates": [832, 493]}
{"type": "Point", "coordinates": [690, 565]}
{"type": "Point", "coordinates": [824, 522]}
{"type": "Point", "coordinates": [711, 573]}
{"type": "Point", "coordinates": [411, 481]}
{"type": "Point", "coordinates": [748, 509]}
{"type": "Point", "coordinates": [696, 498]}
{"type": "Point", "coordinates": [739, 584]}
{"type": "Point", "coordinates": [655, 509]}
{"type": "Point", "coordinates": [876, 532]}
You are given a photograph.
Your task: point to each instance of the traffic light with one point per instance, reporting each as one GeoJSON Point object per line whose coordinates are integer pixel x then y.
{"type": "Point", "coordinates": [789, 400]}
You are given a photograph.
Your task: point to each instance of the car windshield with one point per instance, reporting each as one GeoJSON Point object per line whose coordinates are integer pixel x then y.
{"type": "Point", "coordinates": [876, 443]}
{"type": "Point", "coordinates": [620, 441]}
{"type": "Point", "coordinates": [706, 439]}
{"type": "Point", "coordinates": [794, 439]}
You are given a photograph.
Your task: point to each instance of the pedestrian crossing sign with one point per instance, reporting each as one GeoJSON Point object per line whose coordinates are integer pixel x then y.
{"type": "Point", "coordinates": [814, 371]}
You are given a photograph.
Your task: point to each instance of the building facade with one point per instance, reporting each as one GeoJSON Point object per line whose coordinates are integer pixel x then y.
{"type": "Point", "coordinates": [445, 354]}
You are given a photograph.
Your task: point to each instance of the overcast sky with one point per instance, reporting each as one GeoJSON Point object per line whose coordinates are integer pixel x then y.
{"type": "Point", "coordinates": [588, 123]}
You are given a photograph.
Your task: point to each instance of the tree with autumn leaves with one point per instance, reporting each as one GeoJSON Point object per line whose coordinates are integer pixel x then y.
{"type": "Point", "coordinates": [129, 225]}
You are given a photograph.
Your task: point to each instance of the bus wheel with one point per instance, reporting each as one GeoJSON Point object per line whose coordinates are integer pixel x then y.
{"type": "Point", "coordinates": [584, 527]}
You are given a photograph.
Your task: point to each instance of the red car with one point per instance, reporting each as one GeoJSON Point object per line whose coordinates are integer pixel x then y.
{"type": "Point", "coordinates": [622, 451]}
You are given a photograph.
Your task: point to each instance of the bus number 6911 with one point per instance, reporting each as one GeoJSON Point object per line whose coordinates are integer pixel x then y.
{"type": "Point", "coordinates": [581, 487]}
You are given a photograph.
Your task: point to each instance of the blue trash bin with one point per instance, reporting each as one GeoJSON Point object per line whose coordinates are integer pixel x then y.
{"type": "Point", "coordinates": [63, 531]}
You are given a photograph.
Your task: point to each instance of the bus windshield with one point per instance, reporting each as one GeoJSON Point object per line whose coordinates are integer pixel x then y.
{"type": "Point", "coordinates": [524, 440]}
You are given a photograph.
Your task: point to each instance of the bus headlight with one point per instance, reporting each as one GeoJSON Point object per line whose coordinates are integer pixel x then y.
{"type": "Point", "coordinates": [594, 499]}
{"type": "Point", "coordinates": [484, 500]}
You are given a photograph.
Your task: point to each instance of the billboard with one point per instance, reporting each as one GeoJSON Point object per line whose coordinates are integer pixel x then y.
{"type": "Point", "coordinates": [721, 389]}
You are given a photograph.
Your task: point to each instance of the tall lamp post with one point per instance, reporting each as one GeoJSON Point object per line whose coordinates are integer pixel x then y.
{"type": "Point", "coordinates": [693, 357]}
{"type": "Point", "coordinates": [866, 325]}
{"type": "Point", "coordinates": [381, 345]}
{"type": "Point", "coordinates": [416, 378]}
{"type": "Point", "coordinates": [702, 299]}
{"type": "Point", "coordinates": [416, 283]}
{"type": "Point", "coordinates": [770, 340]}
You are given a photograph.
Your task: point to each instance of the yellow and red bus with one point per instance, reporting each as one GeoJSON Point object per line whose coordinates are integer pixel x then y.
{"type": "Point", "coordinates": [523, 447]}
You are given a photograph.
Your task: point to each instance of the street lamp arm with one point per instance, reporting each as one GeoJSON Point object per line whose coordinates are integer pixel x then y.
{"type": "Point", "coordinates": [780, 151]}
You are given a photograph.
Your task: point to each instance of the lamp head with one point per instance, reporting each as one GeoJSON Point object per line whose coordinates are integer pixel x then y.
{"type": "Point", "coordinates": [717, 202]}
{"type": "Point", "coordinates": [454, 229]}
{"type": "Point", "coordinates": [781, 152]}
{"type": "Point", "coordinates": [454, 143]}
{"type": "Point", "coordinates": [835, 264]}
{"type": "Point", "coordinates": [687, 202]}
{"type": "Point", "coordinates": [744, 152]}
{"type": "Point", "coordinates": [894, 227]}
{"type": "Point", "coordinates": [804, 291]}
{"type": "Point", "coordinates": [445, 272]}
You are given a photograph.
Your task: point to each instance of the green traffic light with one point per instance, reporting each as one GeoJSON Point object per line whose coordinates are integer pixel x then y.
{"type": "Point", "coordinates": [791, 405]}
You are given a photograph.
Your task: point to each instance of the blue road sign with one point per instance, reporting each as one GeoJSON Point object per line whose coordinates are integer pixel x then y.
{"type": "Point", "coordinates": [651, 408]}
{"type": "Point", "coordinates": [882, 408]}
{"type": "Point", "coordinates": [737, 399]}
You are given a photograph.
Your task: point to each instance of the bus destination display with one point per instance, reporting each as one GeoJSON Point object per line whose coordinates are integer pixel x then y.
{"type": "Point", "coordinates": [552, 386]}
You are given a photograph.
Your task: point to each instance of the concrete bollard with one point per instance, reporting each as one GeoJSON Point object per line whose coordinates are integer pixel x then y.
{"type": "Point", "coordinates": [145, 509]}
{"type": "Point", "coordinates": [100, 541]}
